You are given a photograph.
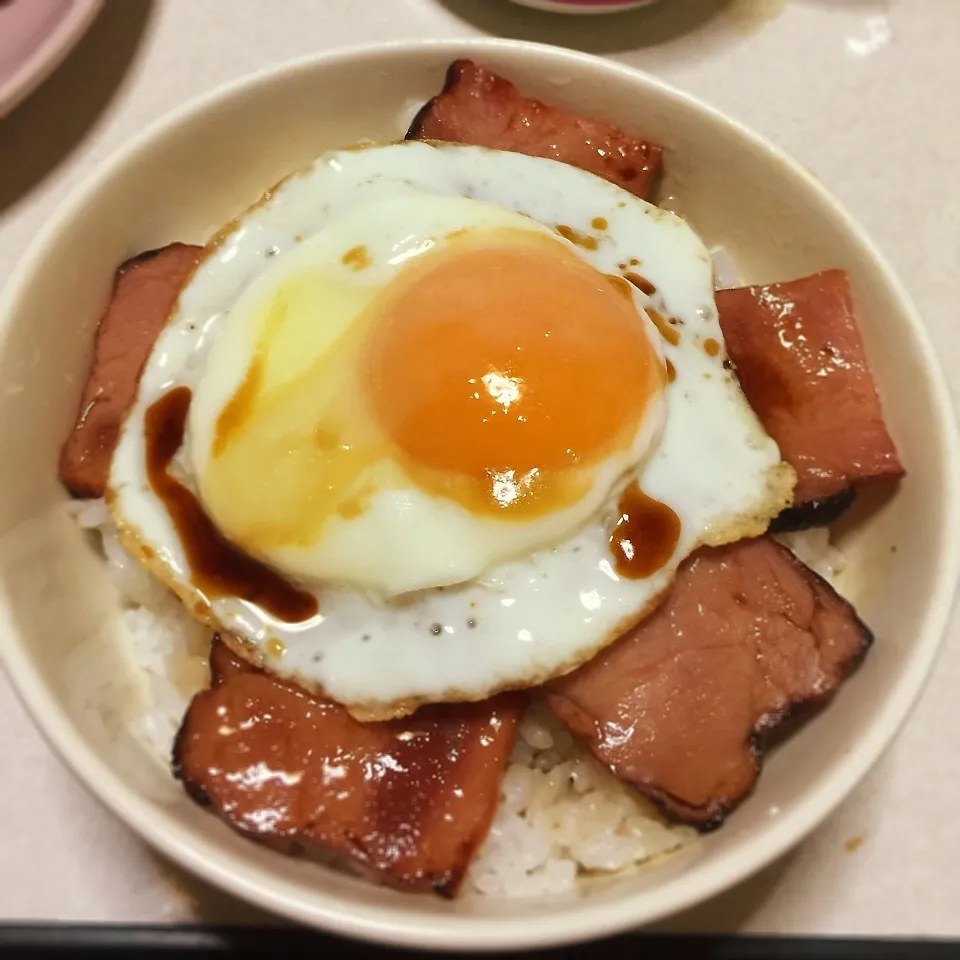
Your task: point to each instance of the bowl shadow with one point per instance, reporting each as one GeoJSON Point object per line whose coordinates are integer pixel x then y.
{"type": "Point", "coordinates": [54, 120]}
{"type": "Point", "coordinates": [729, 912]}
{"type": "Point", "coordinates": [610, 33]}
{"type": "Point", "coordinates": [209, 906]}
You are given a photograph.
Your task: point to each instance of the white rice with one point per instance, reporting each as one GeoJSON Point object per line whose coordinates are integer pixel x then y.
{"type": "Point", "coordinates": [167, 645]}
{"type": "Point", "coordinates": [813, 547]}
{"type": "Point", "coordinates": [562, 816]}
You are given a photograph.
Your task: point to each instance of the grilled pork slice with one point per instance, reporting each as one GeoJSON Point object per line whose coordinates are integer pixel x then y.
{"type": "Point", "coordinates": [407, 801]}
{"type": "Point", "coordinates": [144, 291]}
{"type": "Point", "coordinates": [679, 706]}
{"type": "Point", "coordinates": [479, 107]}
{"type": "Point", "coordinates": [801, 363]}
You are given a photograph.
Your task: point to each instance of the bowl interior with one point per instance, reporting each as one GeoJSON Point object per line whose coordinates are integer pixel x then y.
{"type": "Point", "coordinates": [63, 634]}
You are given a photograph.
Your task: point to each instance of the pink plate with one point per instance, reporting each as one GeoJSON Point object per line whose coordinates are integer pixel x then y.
{"type": "Point", "coordinates": [584, 6]}
{"type": "Point", "coordinates": [35, 35]}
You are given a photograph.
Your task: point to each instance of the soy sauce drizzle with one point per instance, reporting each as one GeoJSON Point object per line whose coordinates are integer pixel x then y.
{"type": "Point", "coordinates": [668, 333]}
{"type": "Point", "coordinates": [218, 568]}
{"type": "Point", "coordinates": [645, 535]}
{"type": "Point", "coordinates": [641, 283]}
{"type": "Point", "coordinates": [580, 239]}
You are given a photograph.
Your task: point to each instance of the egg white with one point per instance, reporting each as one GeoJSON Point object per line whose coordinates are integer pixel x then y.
{"type": "Point", "coordinates": [529, 619]}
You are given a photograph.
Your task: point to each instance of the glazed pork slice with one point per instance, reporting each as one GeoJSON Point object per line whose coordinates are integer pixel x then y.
{"type": "Point", "coordinates": [801, 363]}
{"type": "Point", "coordinates": [144, 292]}
{"type": "Point", "coordinates": [678, 707]}
{"type": "Point", "coordinates": [477, 106]}
{"type": "Point", "coordinates": [409, 801]}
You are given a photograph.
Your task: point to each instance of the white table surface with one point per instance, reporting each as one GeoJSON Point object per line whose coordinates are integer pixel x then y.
{"type": "Point", "coordinates": [861, 91]}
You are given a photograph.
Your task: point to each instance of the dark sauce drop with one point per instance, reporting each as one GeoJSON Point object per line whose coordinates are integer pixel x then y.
{"type": "Point", "coordinates": [645, 535]}
{"type": "Point", "coordinates": [580, 239]}
{"type": "Point", "coordinates": [217, 567]}
{"type": "Point", "coordinates": [641, 283]}
{"type": "Point", "coordinates": [668, 333]}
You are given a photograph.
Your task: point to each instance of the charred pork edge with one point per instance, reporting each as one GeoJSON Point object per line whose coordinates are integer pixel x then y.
{"type": "Point", "coordinates": [866, 634]}
{"type": "Point", "coordinates": [146, 255]}
{"type": "Point", "coordinates": [81, 491]}
{"type": "Point", "coordinates": [195, 791]}
{"type": "Point", "coordinates": [814, 513]}
{"type": "Point", "coordinates": [451, 79]}
{"type": "Point", "coordinates": [705, 819]}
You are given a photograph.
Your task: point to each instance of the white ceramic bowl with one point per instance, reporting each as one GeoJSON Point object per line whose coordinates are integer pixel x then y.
{"type": "Point", "coordinates": [59, 619]}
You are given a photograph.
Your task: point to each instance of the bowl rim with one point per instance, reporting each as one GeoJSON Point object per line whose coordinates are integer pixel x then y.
{"type": "Point", "coordinates": [393, 924]}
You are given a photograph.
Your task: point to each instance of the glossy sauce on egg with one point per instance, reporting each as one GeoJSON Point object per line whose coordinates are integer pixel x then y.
{"type": "Point", "coordinates": [217, 567]}
{"type": "Point", "coordinates": [645, 535]}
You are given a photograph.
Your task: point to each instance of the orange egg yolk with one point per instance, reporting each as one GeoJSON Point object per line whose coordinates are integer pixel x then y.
{"type": "Point", "coordinates": [512, 365]}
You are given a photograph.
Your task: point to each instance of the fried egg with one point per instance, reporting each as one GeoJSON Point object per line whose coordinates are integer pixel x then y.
{"type": "Point", "coordinates": [389, 406]}
{"type": "Point", "coordinates": [432, 421]}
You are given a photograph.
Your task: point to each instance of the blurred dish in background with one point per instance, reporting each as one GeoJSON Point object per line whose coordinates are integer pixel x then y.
{"type": "Point", "coordinates": [35, 36]}
{"type": "Point", "coordinates": [584, 6]}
